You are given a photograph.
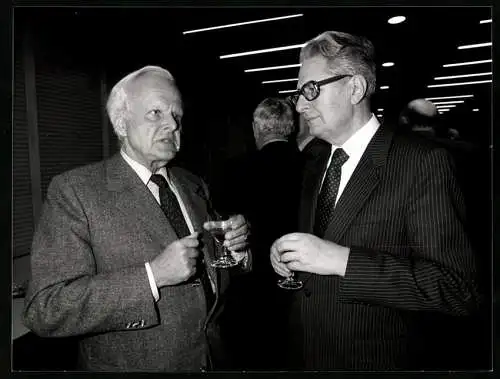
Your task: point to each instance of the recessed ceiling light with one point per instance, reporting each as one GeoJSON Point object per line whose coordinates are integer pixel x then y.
{"type": "Point", "coordinates": [458, 84]}
{"type": "Point", "coordinates": [288, 91]}
{"type": "Point", "coordinates": [462, 76]}
{"type": "Point", "coordinates": [475, 110]}
{"type": "Point", "coordinates": [485, 21]}
{"type": "Point", "coordinates": [380, 109]}
{"type": "Point", "coordinates": [272, 68]}
{"type": "Point", "coordinates": [384, 87]}
{"type": "Point", "coordinates": [270, 50]}
{"type": "Point", "coordinates": [379, 115]}
{"type": "Point", "coordinates": [280, 81]}
{"type": "Point", "coordinates": [242, 23]}
{"type": "Point", "coordinates": [388, 64]}
{"type": "Point", "coordinates": [448, 97]}
{"type": "Point", "coordinates": [467, 63]}
{"type": "Point", "coordinates": [396, 20]}
{"type": "Point", "coordinates": [485, 44]}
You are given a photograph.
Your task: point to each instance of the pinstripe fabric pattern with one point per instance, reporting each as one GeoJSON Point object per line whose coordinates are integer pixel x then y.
{"type": "Point", "coordinates": [402, 216]}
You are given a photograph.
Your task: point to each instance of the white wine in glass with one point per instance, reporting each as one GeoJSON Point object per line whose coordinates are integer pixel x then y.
{"type": "Point", "coordinates": [218, 230]}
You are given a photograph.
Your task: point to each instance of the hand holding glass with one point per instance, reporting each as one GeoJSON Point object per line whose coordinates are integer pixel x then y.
{"type": "Point", "coordinates": [290, 283]}
{"type": "Point", "coordinates": [218, 229]}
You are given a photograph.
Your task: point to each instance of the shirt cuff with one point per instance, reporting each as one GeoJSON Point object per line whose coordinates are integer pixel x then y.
{"type": "Point", "coordinates": [152, 282]}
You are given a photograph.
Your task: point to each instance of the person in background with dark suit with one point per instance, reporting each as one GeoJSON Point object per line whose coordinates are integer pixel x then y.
{"type": "Point", "coordinates": [120, 257]}
{"type": "Point", "coordinates": [471, 166]}
{"type": "Point", "coordinates": [271, 179]}
{"type": "Point", "coordinates": [382, 240]}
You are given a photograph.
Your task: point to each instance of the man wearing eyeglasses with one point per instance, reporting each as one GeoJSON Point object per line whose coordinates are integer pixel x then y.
{"type": "Point", "coordinates": [382, 245]}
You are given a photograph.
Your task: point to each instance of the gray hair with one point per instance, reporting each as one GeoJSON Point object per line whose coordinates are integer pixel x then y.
{"type": "Point", "coordinates": [274, 116]}
{"type": "Point", "coordinates": [117, 105]}
{"type": "Point", "coordinates": [354, 55]}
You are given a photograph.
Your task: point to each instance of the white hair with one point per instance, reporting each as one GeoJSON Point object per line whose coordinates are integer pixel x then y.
{"type": "Point", "coordinates": [117, 105]}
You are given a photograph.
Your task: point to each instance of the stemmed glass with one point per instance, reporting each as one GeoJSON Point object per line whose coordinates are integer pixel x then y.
{"type": "Point", "coordinates": [290, 283]}
{"type": "Point", "coordinates": [218, 230]}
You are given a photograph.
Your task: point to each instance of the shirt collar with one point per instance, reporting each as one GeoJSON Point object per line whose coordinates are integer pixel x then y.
{"type": "Point", "coordinates": [142, 171]}
{"type": "Point", "coordinates": [274, 140]}
{"type": "Point", "coordinates": [356, 145]}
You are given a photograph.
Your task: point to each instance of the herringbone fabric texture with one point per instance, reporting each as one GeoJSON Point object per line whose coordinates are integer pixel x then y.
{"type": "Point", "coordinates": [329, 190]}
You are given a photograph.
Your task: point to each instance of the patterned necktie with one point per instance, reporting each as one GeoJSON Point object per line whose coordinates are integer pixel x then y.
{"type": "Point", "coordinates": [171, 208]}
{"type": "Point", "coordinates": [329, 191]}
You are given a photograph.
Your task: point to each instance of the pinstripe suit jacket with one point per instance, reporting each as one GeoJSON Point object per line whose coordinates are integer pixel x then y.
{"type": "Point", "coordinates": [402, 216]}
{"type": "Point", "coordinates": [99, 224]}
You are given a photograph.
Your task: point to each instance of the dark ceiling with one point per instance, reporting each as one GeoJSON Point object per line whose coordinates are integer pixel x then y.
{"type": "Point", "coordinates": [123, 39]}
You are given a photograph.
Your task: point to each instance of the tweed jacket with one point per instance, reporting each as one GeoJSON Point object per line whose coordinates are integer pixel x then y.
{"type": "Point", "coordinates": [99, 225]}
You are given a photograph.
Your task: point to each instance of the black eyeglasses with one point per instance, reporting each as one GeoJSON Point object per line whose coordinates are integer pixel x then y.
{"type": "Point", "coordinates": [311, 89]}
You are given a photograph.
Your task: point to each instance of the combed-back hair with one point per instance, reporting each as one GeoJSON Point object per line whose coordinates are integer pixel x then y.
{"type": "Point", "coordinates": [275, 116]}
{"type": "Point", "coordinates": [346, 54]}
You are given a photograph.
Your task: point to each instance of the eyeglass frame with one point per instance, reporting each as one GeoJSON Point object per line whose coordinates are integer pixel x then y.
{"type": "Point", "coordinates": [317, 84]}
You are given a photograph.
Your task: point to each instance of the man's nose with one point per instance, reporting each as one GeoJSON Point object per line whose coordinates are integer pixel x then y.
{"type": "Point", "coordinates": [302, 104]}
{"type": "Point", "coordinates": [170, 123]}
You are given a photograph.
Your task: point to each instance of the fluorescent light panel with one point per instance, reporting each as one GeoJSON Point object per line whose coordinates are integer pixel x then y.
{"type": "Point", "coordinates": [488, 21]}
{"type": "Point", "coordinates": [384, 87]}
{"type": "Point", "coordinates": [272, 68]}
{"type": "Point", "coordinates": [485, 44]}
{"type": "Point", "coordinates": [449, 97]}
{"type": "Point", "coordinates": [446, 106]}
{"type": "Point", "coordinates": [449, 102]}
{"type": "Point", "coordinates": [475, 110]}
{"type": "Point", "coordinates": [458, 84]}
{"type": "Point", "coordinates": [242, 23]}
{"type": "Point", "coordinates": [462, 76]}
{"type": "Point", "coordinates": [388, 64]}
{"type": "Point", "coordinates": [467, 63]}
{"type": "Point", "coordinates": [443, 110]}
{"type": "Point", "coordinates": [288, 91]}
{"type": "Point", "coordinates": [280, 81]}
{"type": "Point", "coordinates": [380, 109]}
{"type": "Point", "coordinates": [270, 50]}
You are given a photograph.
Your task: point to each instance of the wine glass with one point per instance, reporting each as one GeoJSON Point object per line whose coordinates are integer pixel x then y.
{"type": "Point", "coordinates": [218, 230]}
{"type": "Point", "coordinates": [290, 283]}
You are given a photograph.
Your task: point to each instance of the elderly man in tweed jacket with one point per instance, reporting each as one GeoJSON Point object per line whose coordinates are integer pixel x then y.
{"type": "Point", "coordinates": [121, 256]}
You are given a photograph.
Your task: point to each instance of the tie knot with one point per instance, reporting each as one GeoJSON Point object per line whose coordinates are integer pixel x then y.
{"type": "Point", "coordinates": [159, 180]}
{"type": "Point", "coordinates": [339, 157]}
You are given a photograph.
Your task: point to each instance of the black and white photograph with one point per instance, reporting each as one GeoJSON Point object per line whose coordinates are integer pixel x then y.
{"type": "Point", "coordinates": [252, 189]}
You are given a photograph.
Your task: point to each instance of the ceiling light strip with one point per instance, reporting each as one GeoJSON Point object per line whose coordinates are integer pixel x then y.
{"type": "Point", "coordinates": [270, 50]}
{"type": "Point", "coordinates": [446, 106]}
{"type": "Point", "coordinates": [449, 97]}
{"type": "Point", "coordinates": [473, 46]}
{"type": "Point", "coordinates": [288, 91]}
{"type": "Point", "coordinates": [488, 21]}
{"type": "Point", "coordinates": [449, 102]}
{"type": "Point", "coordinates": [458, 84]}
{"type": "Point", "coordinates": [280, 81]}
{"type": "Point", "coordinates": [462, 76]}
{"type": "Point", "coordinates": [467, 63]}
{"type": "Point", "coordinates": [272, 68]}
{"type": "Point", "coordinates": [242, 23]}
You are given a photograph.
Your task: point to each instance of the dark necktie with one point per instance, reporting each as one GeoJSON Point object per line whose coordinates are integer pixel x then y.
{"type": "Point", "coordinates": [329, 191]}
{"type": "Point", "coordinates": [171, 208]}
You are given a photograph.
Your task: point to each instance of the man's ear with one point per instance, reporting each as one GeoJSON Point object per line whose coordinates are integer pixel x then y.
{"type": "Point", "coordinates": [358, 88]}
{"type": "Point", "coordinates": [121, 127]}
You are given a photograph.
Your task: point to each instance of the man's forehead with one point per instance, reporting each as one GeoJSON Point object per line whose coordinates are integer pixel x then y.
{"type": "Point", "coordinates": [312, 68]}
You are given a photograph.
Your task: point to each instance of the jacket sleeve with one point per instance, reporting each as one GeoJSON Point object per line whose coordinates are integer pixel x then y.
{"type": "Point", "coordinates": [439, 273]}
{"type": "Point", "coordinates": [66, 296]}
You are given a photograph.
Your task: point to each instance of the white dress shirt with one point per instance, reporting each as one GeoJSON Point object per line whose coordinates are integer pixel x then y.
{"type": "Point", "coordinates": [355, 146]}
{"type": "Point", "coordinates": [145, 175]}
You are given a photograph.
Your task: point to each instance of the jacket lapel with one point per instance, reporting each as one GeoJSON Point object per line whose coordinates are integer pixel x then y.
{"type": "Point", "coordinates": [196, 203]}
{"type": "Point", "coordinates": [135, 200]}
